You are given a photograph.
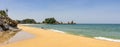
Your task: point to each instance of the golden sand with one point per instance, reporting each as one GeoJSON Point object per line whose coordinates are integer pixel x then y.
{"type": "Point", "coordinates": [47, 38]}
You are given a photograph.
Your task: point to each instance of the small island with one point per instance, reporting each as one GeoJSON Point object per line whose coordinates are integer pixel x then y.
{"type": "Point", "coordinates": [46, 21]}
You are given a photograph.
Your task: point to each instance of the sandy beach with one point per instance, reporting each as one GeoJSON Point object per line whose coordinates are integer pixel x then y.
{"type": "Point", "coordinates": [48, 38]}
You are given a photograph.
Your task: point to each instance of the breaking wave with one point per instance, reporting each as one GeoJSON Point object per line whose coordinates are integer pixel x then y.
{"type": "Point", "coordinates": [57, 31]}
{"type": "Point", "coordinates": [108, 39]}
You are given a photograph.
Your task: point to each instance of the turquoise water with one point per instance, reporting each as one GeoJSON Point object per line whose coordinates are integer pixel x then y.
{"type": "Point", "coordinates": [89, 30]}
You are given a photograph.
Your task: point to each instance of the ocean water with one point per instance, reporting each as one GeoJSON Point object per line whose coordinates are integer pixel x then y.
{"type": "Point", "coordinates": [109, 32]}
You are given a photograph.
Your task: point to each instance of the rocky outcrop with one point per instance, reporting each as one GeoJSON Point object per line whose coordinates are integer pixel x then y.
{"type": "Point", "coordinates": [6, 23]}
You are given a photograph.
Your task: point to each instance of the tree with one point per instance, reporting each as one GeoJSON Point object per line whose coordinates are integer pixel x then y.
{"type": "Point", "coordinates": [19, 21]}
{"type": "Point", "coordinates": [50, 21]}
{"type": "Point", "coordinates": [29, 21]}
{"type": "Point", "coordinates": [72, 22]}
{"type": "Point", "coordinates": [6, 21]}
{"type": "Point", "coordinates": [54, 21]}
{"type": "Point", "coordinates": [3, 13]}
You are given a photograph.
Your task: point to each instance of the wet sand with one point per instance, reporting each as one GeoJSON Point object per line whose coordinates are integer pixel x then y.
{"type": "Point", "coordinates": [8, 37]}
{"type": "Point", "coordinates": [48, 38]}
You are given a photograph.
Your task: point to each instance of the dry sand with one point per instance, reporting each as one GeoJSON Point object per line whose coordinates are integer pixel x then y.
{"type": "Point", "coordinates": [47, 38]}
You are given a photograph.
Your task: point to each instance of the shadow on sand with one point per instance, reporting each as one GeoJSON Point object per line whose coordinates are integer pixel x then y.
{"type": "Point", "coordinates": [7, 37]}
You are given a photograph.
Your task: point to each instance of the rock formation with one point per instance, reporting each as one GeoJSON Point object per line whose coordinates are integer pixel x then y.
{"type": "Point", "coordinates": [6, 23]}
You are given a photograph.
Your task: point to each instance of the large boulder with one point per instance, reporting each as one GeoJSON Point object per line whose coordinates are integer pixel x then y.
{"type": "Point", "coordinates": [7, 23]}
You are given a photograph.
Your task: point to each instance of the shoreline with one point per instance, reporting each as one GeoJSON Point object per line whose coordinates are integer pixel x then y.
{"type": "Point", "coordinates": [95, 37]}
{"type": "Point", "coordinates": [9, 37]}
{"type": "Point", "coordinates": [99, 38]}
{"type": "Point", "coordinates": [48, 38]}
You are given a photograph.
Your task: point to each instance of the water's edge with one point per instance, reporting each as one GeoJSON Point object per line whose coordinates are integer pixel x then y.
{"type": "Point", "coordinates": [11, 37]}
{"type": "Point", "coordinates": [99, 38]}
{"type": "Point", "coordinates": [95, 37]}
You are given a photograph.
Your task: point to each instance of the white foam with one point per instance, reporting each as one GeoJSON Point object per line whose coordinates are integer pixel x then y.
{"type": "Point", "coordinates": [27, 24]}
{"type": "Point", "coordinates": [57, 31]}
{"type": "Point", "coordinates": [108, 39]}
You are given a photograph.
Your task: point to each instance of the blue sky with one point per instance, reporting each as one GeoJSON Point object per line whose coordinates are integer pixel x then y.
{"type": "Point", "coordinates": [80, 11]}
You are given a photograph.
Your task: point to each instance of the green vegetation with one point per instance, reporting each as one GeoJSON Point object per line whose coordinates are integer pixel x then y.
{"type": "Point", "coordinates": [5, 21]}
{"type": "Point", "coordinates": [72, 22]}
{"type": "Point", "coordinates": [4, 17]}
{"type": "Point", "coordinates": [54, 21]}
{"type": "Point", "coordinates": [46, 21]}
{"type": "Point", "coordinates": [27, 21]}
{"type": "Point", "coordinates": [31, 21]}
{"type": "Point", "coordinates": [50, 21]}
{"type": "Point", "coordinates": [3, 13]}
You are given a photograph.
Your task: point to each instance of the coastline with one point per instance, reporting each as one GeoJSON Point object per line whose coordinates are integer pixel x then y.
{"type": "Point", "coordinates": [48, 38]}
{"type": "Point", "coordinates": [95, 37]}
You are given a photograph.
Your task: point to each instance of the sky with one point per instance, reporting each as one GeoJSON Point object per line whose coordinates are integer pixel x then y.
{"type": "Point", "coordinates": [80, 11]}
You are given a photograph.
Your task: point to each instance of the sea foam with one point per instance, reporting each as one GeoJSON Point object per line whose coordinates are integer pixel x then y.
{"type": "Point", "coordinates": [108, 39]}
{"type": "Point", "coordinates": [28, 24]}
{"type": "Point", "coordinates": [57, 31]}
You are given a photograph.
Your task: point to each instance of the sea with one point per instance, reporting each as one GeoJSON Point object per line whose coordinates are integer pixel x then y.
{"type": "Point", "coordinates": [110, 32]}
